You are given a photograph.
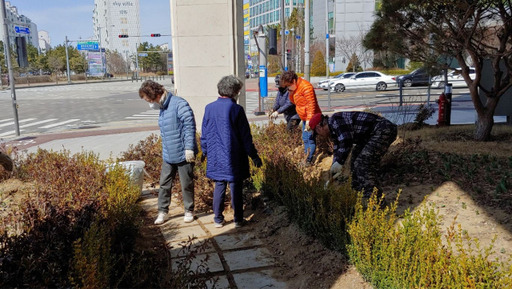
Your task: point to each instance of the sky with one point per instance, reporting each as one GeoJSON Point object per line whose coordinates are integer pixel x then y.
{"type": "Point", "coordinates": [73, 18]}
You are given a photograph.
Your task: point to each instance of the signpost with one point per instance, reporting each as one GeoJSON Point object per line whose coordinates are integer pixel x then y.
{"type": "Point", "coordinates": [22, 30]}
{"type": "Point", "coordinates": [87, 45]}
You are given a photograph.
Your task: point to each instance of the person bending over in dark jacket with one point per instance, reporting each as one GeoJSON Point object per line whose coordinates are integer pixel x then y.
{"type": "Point", "coordinates": [178, 132]}
{"type": "Point", "coordinates": [285, 106]}
{"type": "Point", "coordinates": [367, 135]}
{"type": "Point", "coordinates": [226, 142]}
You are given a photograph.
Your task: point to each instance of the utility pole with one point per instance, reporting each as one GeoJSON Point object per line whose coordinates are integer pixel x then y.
{"type": "Point", "coordinates": [327, 54]}
{"type": "Point", "coordinates": [101, 53]}
{"type": "Point", "coordinates": [306, 43]}
{"type": "Point", "coordinates": [283, 50]}
{"type": "Point", "coordinates": [7, 47]}
{"type": "Point", "coordinates": [261, 42]}
{"type": "Point", "coordinates": [67, 58]}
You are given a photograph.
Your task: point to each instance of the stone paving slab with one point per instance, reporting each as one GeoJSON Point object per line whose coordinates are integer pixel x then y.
{"type": "Point", "coordinates": [213, 262]}
{"type": "Point", "coordinates": [176, 247]}
{"type": "Point", "coordinates": [248, 259]}
{"type": "Point", "coordinates": [249, 262]}
{"type": "Point", "coordinates": [222, 283]}
{"type": "Point", "coordinates": [184, 233]}
{"type": "Point", "coordinates": [257, 280]}
{"type": "Point", "coordinates": [237, 241]}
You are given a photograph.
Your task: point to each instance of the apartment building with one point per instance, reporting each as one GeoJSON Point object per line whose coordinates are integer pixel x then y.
{"type": "Point", "coordinates": [112, 18]}
{"type": "Point", "coordinates": [19, 26]}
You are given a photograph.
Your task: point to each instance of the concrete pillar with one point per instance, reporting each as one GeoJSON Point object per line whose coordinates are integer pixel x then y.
{"type": "Point", "coordinates": [207, 44]}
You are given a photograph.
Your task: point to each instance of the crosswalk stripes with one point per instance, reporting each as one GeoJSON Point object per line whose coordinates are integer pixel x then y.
{"type": "Point", "coordinates": [147, 115]}
{"type": "Point", "coordinates": [31, 122]}
{"type": "Point", "coordinates": [43, 124]}
{"type": "Point", "coordinates": [60, 123]}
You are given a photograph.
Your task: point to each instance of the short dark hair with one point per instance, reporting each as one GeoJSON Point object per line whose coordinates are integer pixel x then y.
{"type": "Point", "coordinates": [288, 77]}
{"type": "Point", "coordinates": [151, 89]}
{"type": "Point", "coordinates": [229, 86]}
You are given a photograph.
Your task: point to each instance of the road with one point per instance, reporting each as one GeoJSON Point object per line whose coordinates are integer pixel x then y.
{"type": "Point", "coordinates": [56, 108]}
{"type": "Point", "coordinates": [51, 109]}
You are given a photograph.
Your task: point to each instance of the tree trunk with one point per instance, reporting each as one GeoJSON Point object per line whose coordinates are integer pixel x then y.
{"type": "Point", "coordinates": [484, 126]}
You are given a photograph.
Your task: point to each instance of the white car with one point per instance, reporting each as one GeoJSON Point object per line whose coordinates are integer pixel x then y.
{"type": "Point", "coordinates": [324, 83]}
{"type": "Point", "coordinates": [375, 79]}
{"type": "Point", "coordinates": [454, 77]}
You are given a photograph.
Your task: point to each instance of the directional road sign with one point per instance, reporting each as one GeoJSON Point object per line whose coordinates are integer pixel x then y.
{"type": "Point", "coordinates": [21, 29]}
{"type": "Point", "coordinates": [87, 45]}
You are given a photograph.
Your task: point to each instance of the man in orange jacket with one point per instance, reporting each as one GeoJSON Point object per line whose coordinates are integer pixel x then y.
{"type": "Point", "coordinates": [303, 95]}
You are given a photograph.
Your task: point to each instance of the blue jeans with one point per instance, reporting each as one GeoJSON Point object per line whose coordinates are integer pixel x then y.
{"type": "Point", "coordinates": [237, 202]}
{"type": "Point", "coordinates": [167, 175]}
{"type": "Point", "coordinates": [309, 143]}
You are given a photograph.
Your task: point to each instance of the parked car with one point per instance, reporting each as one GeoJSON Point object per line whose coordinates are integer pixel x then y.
{"type": "Point", "coordinates": [417, 77]}
{"type": "Point", "coordinates": [454, 77]}
{"type": "Point", "coordinates": [324, 83]}
{"type": "Point", "coordinates": [375, 79]}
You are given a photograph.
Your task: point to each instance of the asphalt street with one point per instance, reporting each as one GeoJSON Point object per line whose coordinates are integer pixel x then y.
{"type": "Point", "coordinates": [60, 108]}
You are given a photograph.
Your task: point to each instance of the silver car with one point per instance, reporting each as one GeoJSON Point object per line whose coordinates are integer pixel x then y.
{"type": "Point", "coordinates": [375, 79]}
{"type": "Point", "coordinates": [324, 83]}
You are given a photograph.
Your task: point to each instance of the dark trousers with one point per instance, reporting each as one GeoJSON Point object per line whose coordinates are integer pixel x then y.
{"type": "Point", "coordinates": [167, 175]}
{"type": "Point", "coordinates": [237, 202]}
{"type": "Point", "coordinates": [366, 158]}
{"type": "Point", "coordinates": [292, 124]}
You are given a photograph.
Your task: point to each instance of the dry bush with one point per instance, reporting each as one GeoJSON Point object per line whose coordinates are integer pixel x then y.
{"type": "Point", "coordinates": [80, 227]}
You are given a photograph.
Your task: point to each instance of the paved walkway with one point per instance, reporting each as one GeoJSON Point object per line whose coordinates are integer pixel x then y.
{"type": "Point", "coordinates": [235, 256]}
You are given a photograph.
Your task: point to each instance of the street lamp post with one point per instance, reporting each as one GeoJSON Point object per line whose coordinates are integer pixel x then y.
{"type": "Point", "coordinates": [9, 67]}
{"type": "Point", "coordinates": [101, 53]}
{"type": "Point", "coordinates": [67, 59]}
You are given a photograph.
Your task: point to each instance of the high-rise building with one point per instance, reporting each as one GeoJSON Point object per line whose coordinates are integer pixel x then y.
{"type": "Point", "coordinates": [19, 26]}
{"type": "Point", "coordinates": [265, 13]}
{"type": "Point", "coordinates": [349, 21]}
{"type": "Point", "coordinates": [44, 41]}
{"type": "Point", "coordinates": [112, 18]}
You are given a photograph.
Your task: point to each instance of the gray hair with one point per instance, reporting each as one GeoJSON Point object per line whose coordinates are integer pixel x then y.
{"type": "Point", "coordinates": [229, 86]}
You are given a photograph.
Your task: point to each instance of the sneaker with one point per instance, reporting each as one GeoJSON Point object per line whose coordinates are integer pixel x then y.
{"type": "Point", "coordinates": [161, 218]}
{"type": "Point", "coordinates": [189, 217]}
{"type": "Point", "coordinates": [219, 225]}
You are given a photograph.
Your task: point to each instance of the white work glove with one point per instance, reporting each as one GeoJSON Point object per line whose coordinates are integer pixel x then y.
{"type": "Point", "coordinates": [189, 156]}
{"type": "Point", "coordinates": [306, 127]}
{"type": "Point", "coordinates": [336, 169]}
{"type": "Point", "coordinates": [274, 115]}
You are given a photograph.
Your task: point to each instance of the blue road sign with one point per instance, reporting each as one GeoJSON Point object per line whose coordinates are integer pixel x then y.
{"type": "Point", "coordinates": [87, 45]}
{"type": "Point", "coordinates": [297, 36]}
{"type": "Point", "coordinates": [23, 30]}
{"type": "Point", "coordinates": [143, 54]}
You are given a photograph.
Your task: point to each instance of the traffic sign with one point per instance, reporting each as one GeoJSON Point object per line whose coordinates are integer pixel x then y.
{"type": "Point", "coordinates": [87, 45]}
{"type": "Point", "coordinates": [143, 54]}
{"type": "Point", "coordinates": [297, 36]}
{"type": "Point", "coordinates": [23, 30]}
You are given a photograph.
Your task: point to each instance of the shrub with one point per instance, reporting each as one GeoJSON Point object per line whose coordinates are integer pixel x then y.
{"type": "Point", "coordinates": [78, 227]}
{"type": "Point", "coordinates": [411, 253]}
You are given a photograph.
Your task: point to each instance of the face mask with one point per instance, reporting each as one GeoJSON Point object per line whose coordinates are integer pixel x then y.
{"type": "Point", "coordinates": [154, 105]}
{"type": "Point", "coordinates": [283, 90]}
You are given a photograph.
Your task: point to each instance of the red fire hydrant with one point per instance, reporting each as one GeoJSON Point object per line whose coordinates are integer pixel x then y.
{"type": "Point", "coordinates": [443, 103]}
